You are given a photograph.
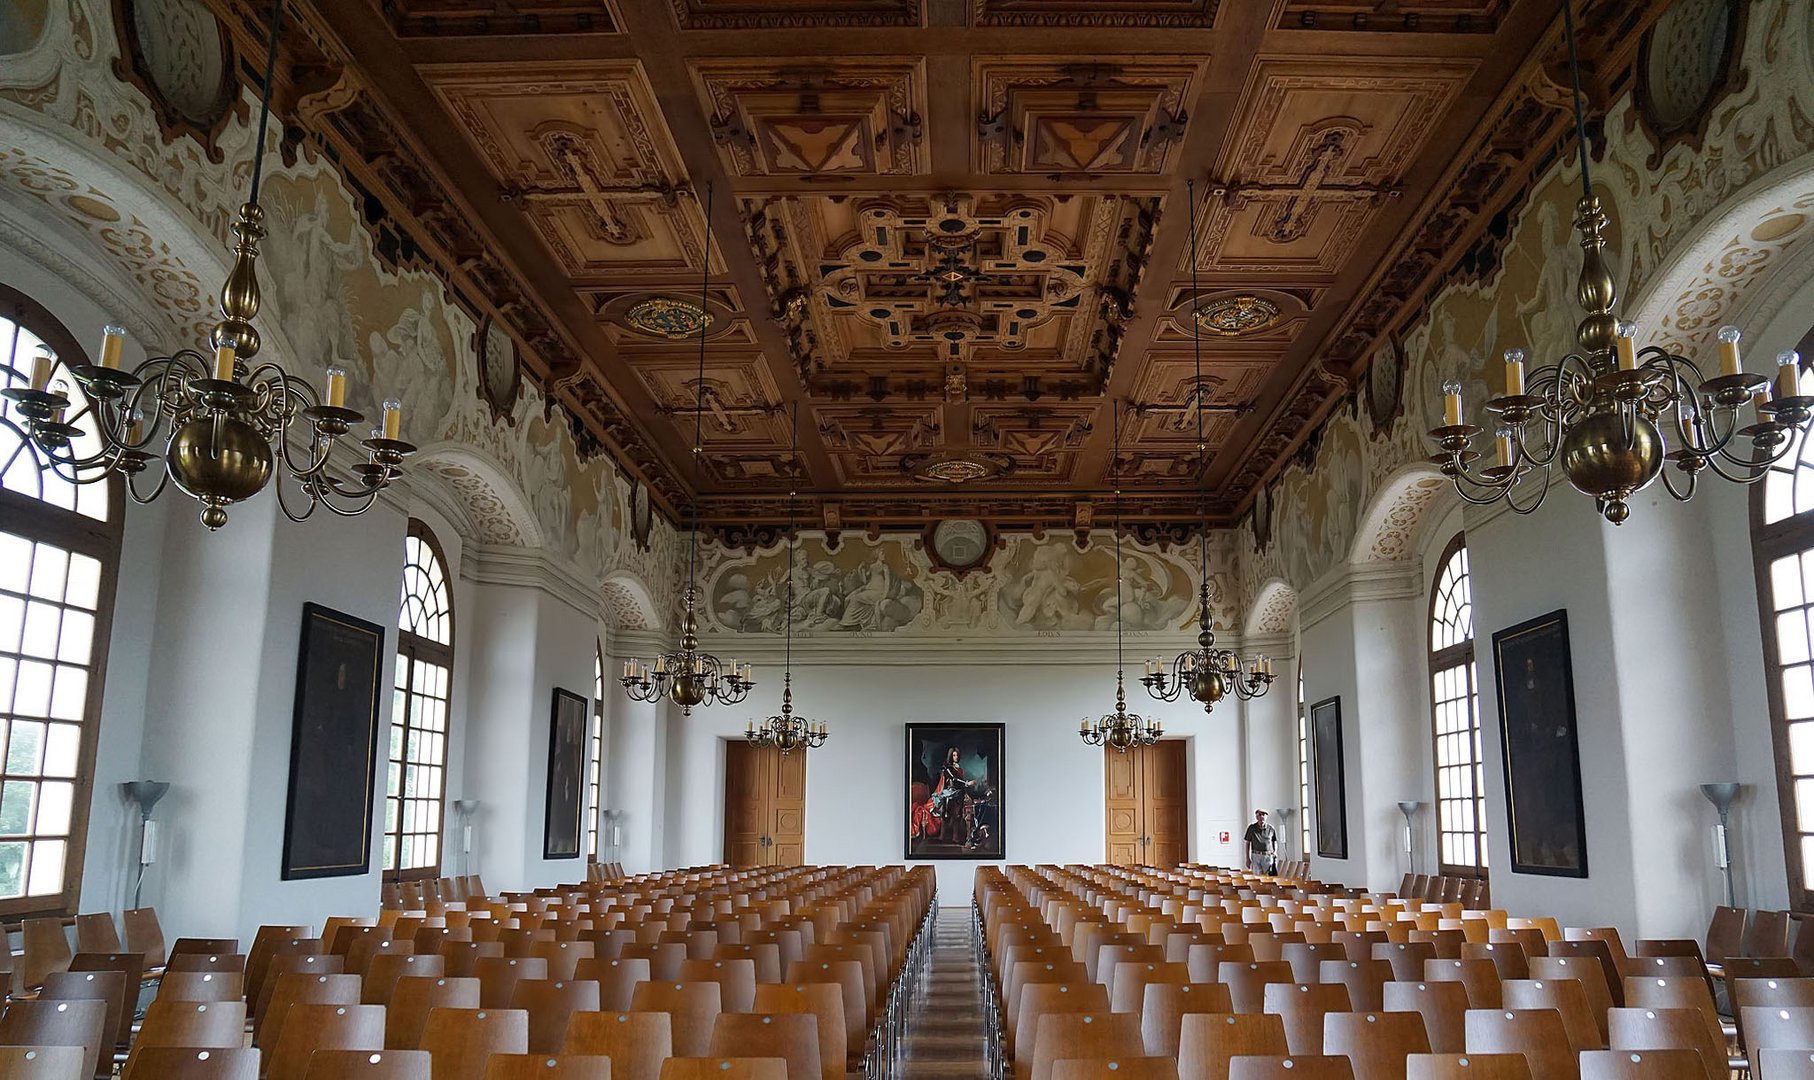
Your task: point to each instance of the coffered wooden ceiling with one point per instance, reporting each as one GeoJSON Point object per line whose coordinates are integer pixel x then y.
{"type": "Point", "coordinates": [948, 228]}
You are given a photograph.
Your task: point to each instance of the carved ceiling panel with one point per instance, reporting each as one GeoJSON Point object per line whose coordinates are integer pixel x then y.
{"type": "Point", "coordinates": [1018, 283]}
{"type": "Point", "coordinates": [1142, 13]}
{"type": "Point", "coordinates": [794, 14]}
{"type": "Point", "coordinates": [1082, 115]}
{"type": "Point", "coordinates": [813, 117]}
{"type": "Point", "coordinates": [583, 150]}
{"type": "Point", "coordinates": [1043, 441]}
{"type": "Point", "coordinates": [1399, 16]}
{"type": "Point", "coordinates": [433, 18]}
{"type": "Point", "coordinates": [743, 409]}
{"type": "Point", "coordinates": [1317, 151]}
{"type": "Point", "coordinates": [870, 442]}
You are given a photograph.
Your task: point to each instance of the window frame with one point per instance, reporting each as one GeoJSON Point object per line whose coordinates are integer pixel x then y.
{"type": "Point", "coordinates": [412, 647]}
{"type": "Point", "coordinates": [1792, 535]}
{"type": "Point", "coordinates": [595, 755]}
{"type": "Point", "coordinates": [1461, 654]}
{"type": "Point", "coordinates": [76, 533]}
{"type": "Point", "coordinates": [1303, 769]}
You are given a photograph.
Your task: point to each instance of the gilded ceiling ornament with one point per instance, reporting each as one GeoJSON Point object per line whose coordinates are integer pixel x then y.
{"type": "Point", "coordinates": [955, 467]}
{"type": "Point", "coordinates": [1238, 316]}
{"type": "Point", "coordinates": [666, 317]}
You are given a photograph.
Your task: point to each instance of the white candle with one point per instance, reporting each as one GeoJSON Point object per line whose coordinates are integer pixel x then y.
{"type": "Point", "coordinates": [1788, 374]}
{"type": "Point", "coordinates": [223, 363]}
{"type": "Point", "coordinates": [1451, 403]}
{"type": "Point", "coordinates": [1625, 347]}
{"type": "Point", "coordinates": [336, 386]}
{"type": "Point", "coordinates": [1730, 363]}
{"type": "Point", "coordinates": [42, 361]}
{"type": "Point", "coordinates": [1514, 372]}
{"type": "Point", "coordinates": [393, 419]}
{"type": "Point", "coordinates": [113, 342]}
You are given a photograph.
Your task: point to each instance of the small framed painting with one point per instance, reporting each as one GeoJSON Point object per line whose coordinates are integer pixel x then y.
{"type": "Point", "coordinates": [1328, 774]}
{"type": "Point", "coordinates": [954, 791]}
{"type": "Point", "coordinates": [1543, 806]}
{"type": "Point", "coordinates": [563, 824]}
{"type": "Point", "coordinates": [333, 746]}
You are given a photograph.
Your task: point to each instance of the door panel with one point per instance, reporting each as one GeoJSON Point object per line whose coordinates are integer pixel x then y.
{"type": "Point", "coordinates": [1166, 803]}
{"type": "Point", "coordinates": [1121, 809]}
{"type": "Point", "coordinates": [745, 778]}
{"type": "Point", "coordinates": [787, 809]}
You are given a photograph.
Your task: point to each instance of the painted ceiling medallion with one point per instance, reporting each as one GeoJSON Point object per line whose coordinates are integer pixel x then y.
{"type": "Point", "coordinates": [955, 467]}
{"type": "Point", "coordinates": [1238, 316]}
{"type": "Point", "coordinates": [665, 317]}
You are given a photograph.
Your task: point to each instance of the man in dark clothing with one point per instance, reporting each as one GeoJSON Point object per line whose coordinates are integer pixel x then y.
{"type": "Point", "coordinates": [1262, 845]}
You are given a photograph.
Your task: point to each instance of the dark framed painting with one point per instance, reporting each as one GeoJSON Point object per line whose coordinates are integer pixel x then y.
{"type": "Point", "coordinates": [333, 746]}
{"type": "Point", "coordinates": [1542, 753]}
{"type": "Point", "coordinates": [1329, 779]}
{"type": "Point", "coordinates": [562, 821]}
{"type": "Point", "coordinates": [954, 791]}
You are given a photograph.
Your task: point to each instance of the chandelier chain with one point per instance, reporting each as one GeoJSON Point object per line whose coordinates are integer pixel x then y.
{"type": "Point", "coordinates": [705, 284]}
{"type": "Point", "coordinates": [1574, 71]}
{"type": "Point", "coordinates": [264, 98]}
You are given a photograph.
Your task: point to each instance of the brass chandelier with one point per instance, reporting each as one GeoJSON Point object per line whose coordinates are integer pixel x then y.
{"type": "Point", "coordinates": [220, 424]}
{"type": "Point", "coordinates": [1208, 673]}
{"type": "Point", "coordinates": [1120, 729]}
{"type": "Point", "coordinates": [1611, 415]}
{"type": "Point", "coordinates": [787, 732]}
{"type": "Point", "coordinates": [689, 676]}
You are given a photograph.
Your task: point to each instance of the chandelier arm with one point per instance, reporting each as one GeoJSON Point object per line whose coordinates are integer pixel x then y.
{"type": "Point", "coordinates": [1684, 493]}
{"type": "Point", "coordinates": [132, 487]}
{"type": "Point", "coordinates": [1511, 500]}
{"type": "Point", "coordinates": [283, 502]}
{"type": "Point", "coordinates": [1542, 459]}
{"type": "Point", "coordinates": [1753, 469]}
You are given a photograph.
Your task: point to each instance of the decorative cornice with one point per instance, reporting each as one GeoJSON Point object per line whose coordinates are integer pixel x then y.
{"type": "Point", "coordinates": [1352, 583]}
{"type": "Point", "coordinates": [635, 644]}
{"type": "Point", "coordinates": [492, 564]}
{"type": "Point", "coordinates": [897, 650]}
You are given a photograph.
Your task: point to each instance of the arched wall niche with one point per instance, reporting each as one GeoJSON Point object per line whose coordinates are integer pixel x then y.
{"type": "Point", "coordinates": [628, 603]}
{"type": "Point", "coordinates": [1274, 610]}
{"type": "Point", "coordinates": [1391, 528]}
{"type": "Point", "coordinates": [493, 510]}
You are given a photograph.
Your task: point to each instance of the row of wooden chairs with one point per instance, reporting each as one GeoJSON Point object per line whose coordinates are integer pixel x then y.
{"type": "Point", "coordinates": [1470, 893]}
{"type": "Point", "coordinates": [399, 895]}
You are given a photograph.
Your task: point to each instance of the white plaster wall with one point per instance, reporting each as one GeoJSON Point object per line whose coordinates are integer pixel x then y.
{"type": "Point", "coordinates": [1269, 725]}
{"type": "Point", "coordinates": [856, 795]}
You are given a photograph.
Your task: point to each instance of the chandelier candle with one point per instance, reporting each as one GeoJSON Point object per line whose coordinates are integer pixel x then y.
{"type": "Point", "coordinates": [113, 342]}
{"type": "Point", "coordinates": [1730, 364]}
{"type": "Point", "coordinates": [337, 388]}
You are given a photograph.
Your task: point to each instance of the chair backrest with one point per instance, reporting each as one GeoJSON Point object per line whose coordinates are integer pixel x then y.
{"type": "Point", "coordinates": [825, 1004]}
{"type": "Point", "coordinates": [295, 988]}
{"type": "Point", "coordinates": [1786, 1064]}
{"type": "Point", "coordinates": [563, 956]}
{"type": "Point", "coordinates": [548, 1067]}
{"type": "Point", "coordinates": [1042, 998]}
{"type": "Point", "coordinates": [1600, 951]}
{"type": "Point", "coordinates": [1406, 957]}
{"type": "Point", "coordinates": [1479, 977]}
{"type": "Point", "coordinates": [369, 1065]}
{"type": "Point", "coordinates": [1205, 961]}
{"type": "Point", "coordinates": [189, 1063]}
{"type": "Point", "coordinates": [1669, 1029]}
{"type": "Point", "coordinates": [308, 1028]}
{"type": "Point", "coordinates": [1294, 1067]}
{"type": "Point", "coordinates": [708, 1068]}
{"type": "Point", "coordinates": [1586, 971]}
{"type": "Point", "coordinates": [1566, 996]}
{"type": "Point", "coordinates": [1062, 1036]}
{"type": "Point", "coordinates": [46, 950]}
{"type": "Point", "coordinates": [104, 986]}
{"type": "Point", "coordinates": [80, 1023]}
{"type": "Point", "coordinates": [636, 1042]}
{"type": "Point", "coordinates": [1302, 1007]}
{"type": "Point", "coordinates": [1139, 1068]}
{"type": "Point", "coordinates": [1375, 1043]}
{"type": "Point", "coordinates": [1769, 934]}
{"type": "Point", "coordinates": [551, 1004]}
{"type": "Point", "coordinates": [199, 1024]}
{"type": "Point", "coordinates": [1770, 1028]}
{"type": "Point", "coordinates": [1127, 986]}
{"type": "Point", "coordinates": [1644, 1065]}
{"type": "Point", "coordinates": [847, 975]}
{"type": "Point", "coordinates": [1306, 958]}
{"type": "Point", "coordinates": [1207, 1042]}
{"type": "Point", "coordinates": [97, 933]}
{"type": "Point", "coordinates": [1365, 981]}
{"type": "Point", "coordinates": [461, 1040]}
{"type": "Point", "coordinates": [736, 979]}
{"type": "Point", "coordinates": [694, 1006]}
{"type": "Point", "coordinates": [1163, 1009]}
{"type": "Point", "coordinates": [1247, 982]}
{"type": "Point", "coordinates": [1444, 1009]}
{"type": "Point", "coordinates": [144, 935]}
{"type": "Point", "coordinates": [498, 977]}
{"type": "Point", "coordinates": [414, 997]}
{"type": "Point", "coordinates": [1467, 1067]}
{"type": "Point", "coordinates": [44, 1063]}
{"type": "Point", "coordinates": [793, 1037]}
{"type": "Point", "coordinates": [201, 986]}
{"type": "Point", "coordinates": [1538, 1034]}
{"type": "Point", "coordinates": [385, 968]}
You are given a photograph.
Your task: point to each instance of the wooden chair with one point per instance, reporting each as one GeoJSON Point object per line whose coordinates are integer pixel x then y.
{"type": "Point", "coordinates": [1306, 958]}
{"type": "Point", "coordinates": [1443, 1007]}
{"type": "Point", "coordinates": [1644, 1065]}
{"type": "Point", "coordinates": [736, 980]}
{"type": "Point", "coordinates": [1467, 1067]}
{"type": "Point", "coordinates": [266, 942]}
{"type": "Point", "coordinates": [302, 963]}
{"type": "Point", "coordinates": [825, 1004]}
{"type": "Point", "coordinates": [706, 1068]}
{"type": "Point", "coordinates": [1247, 982]}
{"type": "Point", "coordinates": [46, 950]}
{"type": "Point", "coordinates": [1587, 972]}
{"type": "Point", "coordinates": [143, 935]}
{"type": "Point", "coordinates": [1538, 1034]}
{"type": "Point", "coordinates": [848, 976]}
{"type": "Point", "coordinates": [217, 1025]}
{"type": "Point", "coordinates": [1296, 1067]}
{"type": "Point", "coordinates": [1567, 997]}
{"type": "Point", "coordinates": [1139, 1068]}
{"type": "Point", "coordinates": [414, 997]}
{"type": "Point", "coordinates": [551, 1004]}
{"type": "Point", "coordinates": [616, 979]}
{"type": "Point", "coordinates": [271, 956]}
{"type": "Point", "coordinates": [104, 986]}
{"type": "Point", "coordinates": [1670, 1029]}
{"type": "Point", "coordinates": [308, 1028]}
{"type": "Point", "coordinates": [190, 1063]}
{"type": "Point", "coordinates": [216, 962]}
{"type": "Point", "coordinates": [1208, 1042]}
{"type": "Point", "coordinates": [1478, 977]}
{"type": "Point", "coordinates": [461, 1040]}
{"type": "Point", "coordinates": [1600, 951]}
{"type": "Point", "coordinates": [563, 957]}
{"type": "Point", "coordinates": [369, 1065]}
{"type": "Point", "coordinates": [1770, 1028]}
{"type": "Point", "coordinates": [1164, 1007]}
{"type": "Point", "coordinates": [636, 1042]}
{"type": "Point", "coordinates": [201, 986]}
{"type": "Point", "coordinates": [1205, 961]}
{"type": "Point", "coordinates": [1061, 1036]}
{"type": "Point", "coordinates": [1681, 992]}
{"type": "Point", "coordinates": [1043, 998]}
{"type": "Point", "coordinates": [1784, 1064]}
{"type": "Point", "coordinates": [463, 956]}
{"type": "Point", "coordinates": [1406, 957]}
{"type": "Point", "coordinates": [792, 1037]}
{"type": "Point", "coordinates": [694, 1007]}
{"type": "Point", "coordinates": [44, 1063]}
{"type": "Point", "coordinates": [293, 989]}
{"type": "Point", "coordinates": [1127, 987]}
{"type": "Point", "coordinates": [1769, 934]}
{"type": "Point", "coordinates": [1302, 1007]}
{"type": "Point", "coordinates": [97, 933]}
{"type": "Point", "coordinates": [548, 1067]}
{"type": "Point", "coordinates": [498, 976]}
{"type": "Point", "coordinates": [385, 968]}
{"type": "Point", "coordinates": [80, 1023]}
{"type": "Point", "coordinates": [766, 957]}
{"type": "Point", "coordinates": [1375, 1043]}
{"type": "Point", "coordinates": [1508, 957]}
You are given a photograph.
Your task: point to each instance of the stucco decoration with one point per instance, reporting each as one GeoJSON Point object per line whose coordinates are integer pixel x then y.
{"type": "Point", "coordinates": [628, 604]}
{"type": "Point", "coordinates": [1692, 237]}
{"type": "Point", "coordinates": [1275, 609]}
{"type": "Point", "coordinates": [1033, 586]}
{"type": "Point", "coordinates": [82, 144]}
{"type": "Point", "coordinates": [1390, 529]}
{"type": "Point", "coordinates": [498, 512]}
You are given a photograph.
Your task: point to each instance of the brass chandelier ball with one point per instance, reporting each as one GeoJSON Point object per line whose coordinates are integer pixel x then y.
{"type": "Point", "coordinates": [219, 462]}
{"type": "Point", "coordinates": [1609, 455]}
{"type": "Point", "coordinates": [687, 690]}
{"type": "Point", "coordinates": [1208, 685]}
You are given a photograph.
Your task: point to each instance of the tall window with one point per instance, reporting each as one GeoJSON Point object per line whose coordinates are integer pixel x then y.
{"type": "Point", "coordinates": [59, 554]}
{"type": "Point", "coordinates": [1783, 534]}
{"type": "Point", "coordinates": [1455, 700]}
{"type": "Point", "coordinates": [595, 753]}
{"type": "Point", "coordinates": [418, 752]}
{"type": "Point", "coordinates": [1303, 769]}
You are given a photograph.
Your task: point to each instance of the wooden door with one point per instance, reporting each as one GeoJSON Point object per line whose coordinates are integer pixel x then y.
{"type": "Point", "coordinates": [764, 806]}
{"type": "Point", "coordinates": [1165, 809]}
{"type": "Point", "coordinates": [1121, 810]}
{"type": "Point", "coordinates": [787, 809]}
{"type": "Point", "coordinates": [1146, 811]}
{"type": "Point", "coordinates": [745, 818]}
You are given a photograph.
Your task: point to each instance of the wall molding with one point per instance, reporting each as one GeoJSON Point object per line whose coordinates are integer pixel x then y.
{"type": "Point", "coordinates": [492, 564]}
{"type": "Point", "coordinates": [1352, 583]}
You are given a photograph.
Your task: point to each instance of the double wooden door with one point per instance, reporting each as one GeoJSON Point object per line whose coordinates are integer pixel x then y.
{"type": "Point", "coordinates": [1147, 808]}
{"type": "Point", "coordinates": [764, 806]}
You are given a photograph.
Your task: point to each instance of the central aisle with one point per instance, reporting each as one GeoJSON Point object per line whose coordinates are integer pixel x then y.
{"type": "Point", "coordinates": [945, 1035]}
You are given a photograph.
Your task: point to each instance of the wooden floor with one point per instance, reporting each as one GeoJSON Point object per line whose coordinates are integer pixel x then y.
{"type": "Point", "coordinates": [945, 1034]}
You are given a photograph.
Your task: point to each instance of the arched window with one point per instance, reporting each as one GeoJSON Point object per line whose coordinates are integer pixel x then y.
{"type": "Point", "coordinates": [595, 753]}
{"type": "Point", "coordinates": [418, 751]}
{"type": "Point", "coordinates": [59, 556]}
{"type": "Point", "coordinates": [1782, 532]}
{"type": "Point", "coordinates": [1455, 703]}
{"type": "Point", "coordinates": [1303, 769]}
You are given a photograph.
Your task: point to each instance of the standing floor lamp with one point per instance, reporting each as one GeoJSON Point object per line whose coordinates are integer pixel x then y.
{"type": "Point", "coordinates": [1721, 796]}
{"type": "Point", "coordinates": [1408, 807]}
{"type": "Point", "coordinates": [466, 808]}
{"type": "Point", "coordinates": [145, 793]}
